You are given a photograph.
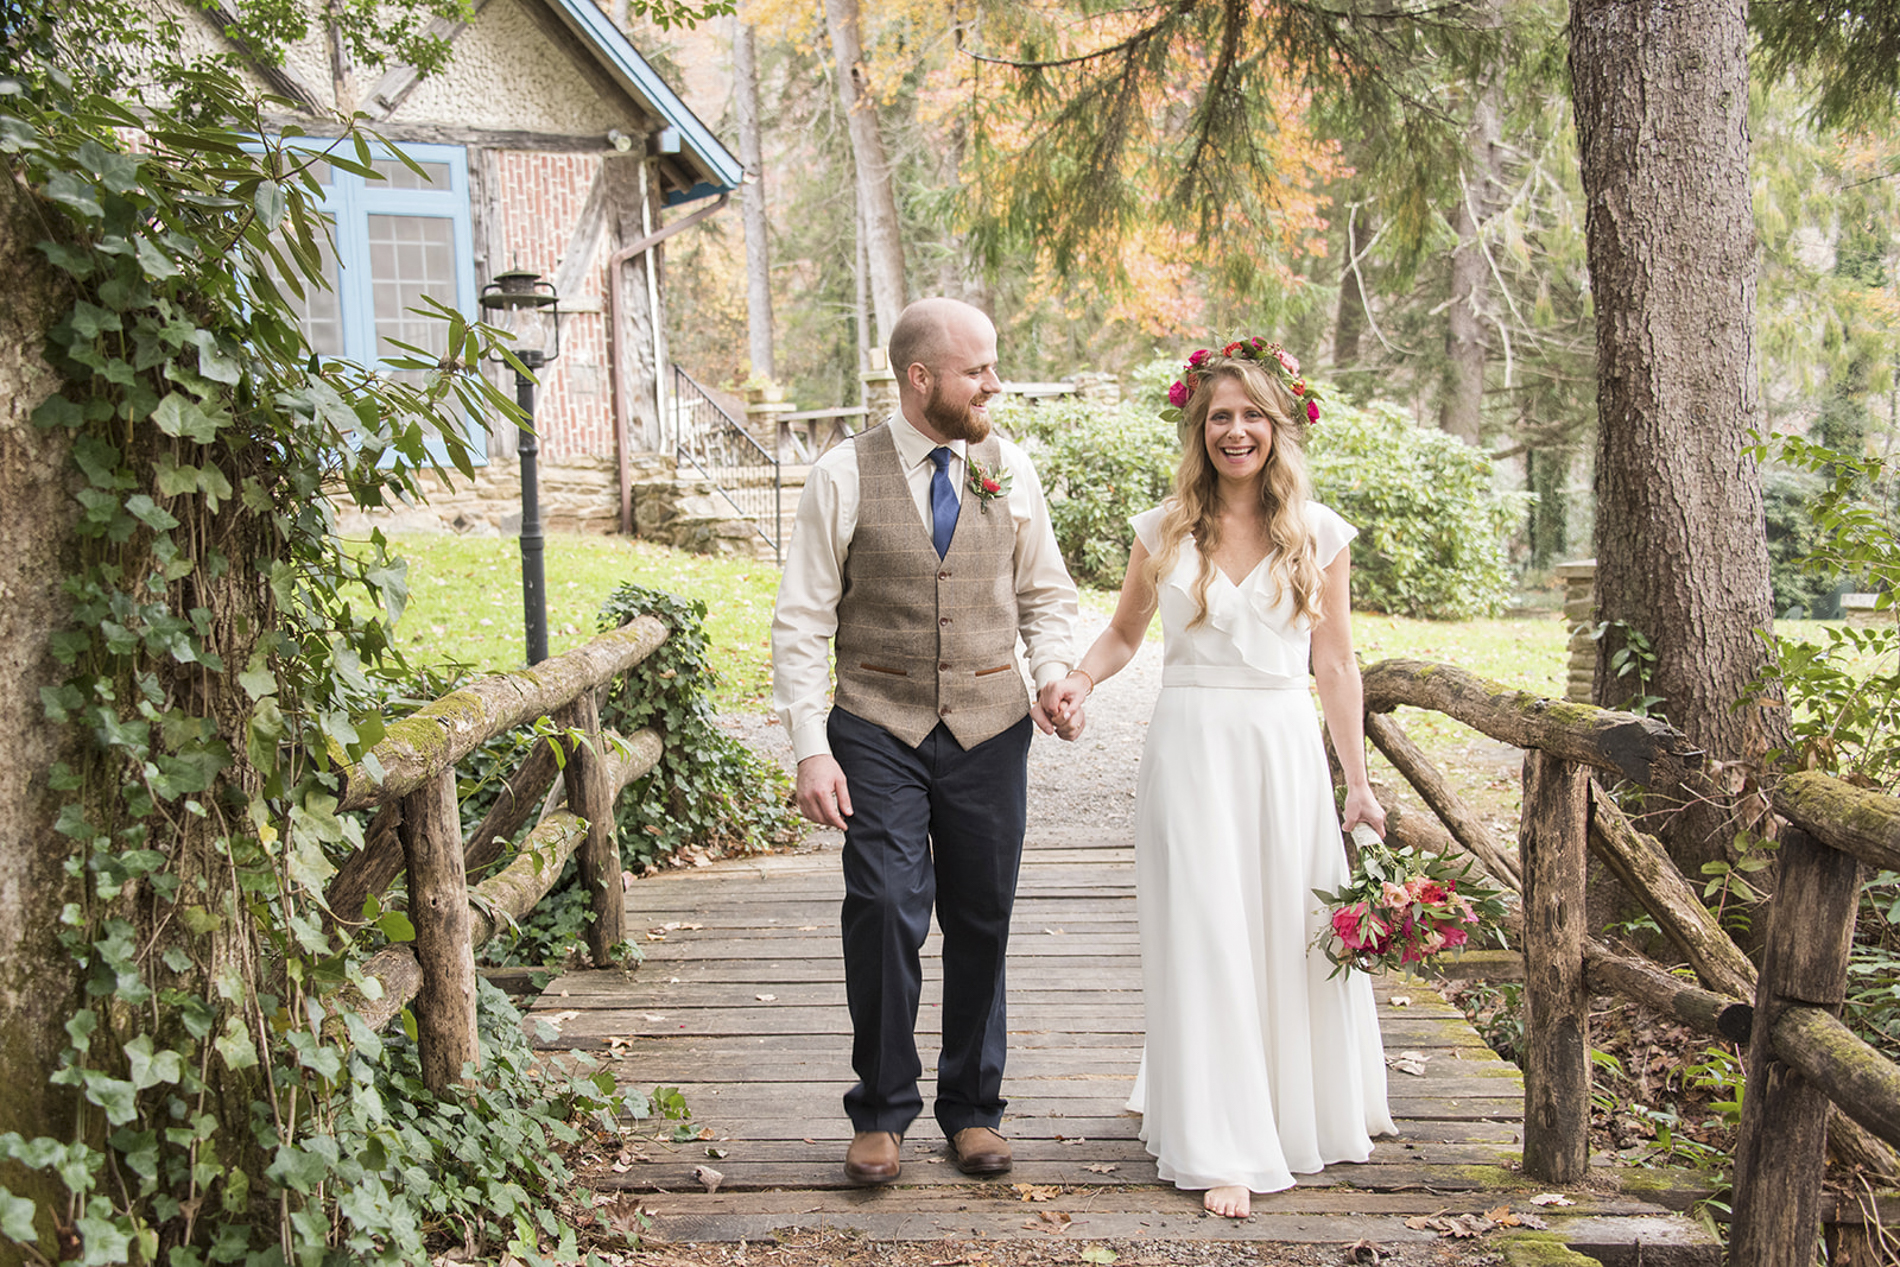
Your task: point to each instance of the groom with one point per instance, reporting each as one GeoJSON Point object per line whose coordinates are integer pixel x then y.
{"type": "Point", "coordinates": [922, 549]}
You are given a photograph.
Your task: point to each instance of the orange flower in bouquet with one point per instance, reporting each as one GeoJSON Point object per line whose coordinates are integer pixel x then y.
{"type": "Point", "coordinates": [1401, 907]}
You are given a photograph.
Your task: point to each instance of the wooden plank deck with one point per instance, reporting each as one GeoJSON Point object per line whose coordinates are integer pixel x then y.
{"type": "Point", "coordinates": [740, 1004]}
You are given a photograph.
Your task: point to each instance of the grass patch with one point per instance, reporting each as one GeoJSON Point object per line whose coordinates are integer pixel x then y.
{"type": "Point", "coordinates": [465, 602]}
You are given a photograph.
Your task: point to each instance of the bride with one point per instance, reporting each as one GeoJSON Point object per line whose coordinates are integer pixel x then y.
{"type": "Point", "coordinates": [1256, 1065]}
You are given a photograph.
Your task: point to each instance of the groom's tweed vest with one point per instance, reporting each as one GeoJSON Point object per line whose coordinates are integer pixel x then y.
{"type": "Point", "coordinates": [921, 639]}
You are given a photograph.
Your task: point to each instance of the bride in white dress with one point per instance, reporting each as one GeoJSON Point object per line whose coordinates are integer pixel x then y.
{"type": "Point", "coordinates": [1256, 1067]}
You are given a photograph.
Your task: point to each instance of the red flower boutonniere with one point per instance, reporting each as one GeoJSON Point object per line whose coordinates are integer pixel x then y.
{"type": "Point", "coordinates": [988, 484]}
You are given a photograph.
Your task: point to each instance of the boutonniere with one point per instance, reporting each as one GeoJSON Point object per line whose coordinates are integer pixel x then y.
{"type": "Point", "coordinates": [988, 484]}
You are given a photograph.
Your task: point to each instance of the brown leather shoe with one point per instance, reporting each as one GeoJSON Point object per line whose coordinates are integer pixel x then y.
{"type": "Point", "coordinates": [872, 1157]}
{"type": "Point", "coordinates": [978, 1150]}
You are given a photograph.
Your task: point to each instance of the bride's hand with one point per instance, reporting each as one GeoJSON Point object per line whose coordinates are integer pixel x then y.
{"type": "Point", "coordinates": [1363, 807]}
{"type": "Point", "coordinates": [1064, 696]}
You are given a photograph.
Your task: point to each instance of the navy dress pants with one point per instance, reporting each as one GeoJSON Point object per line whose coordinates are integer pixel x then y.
{"type": "Point", "coordinates": [930, 825]}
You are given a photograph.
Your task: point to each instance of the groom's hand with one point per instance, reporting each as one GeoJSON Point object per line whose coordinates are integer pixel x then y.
{"type": "Point", "coordinates": [821, 793]}
{"type": "Point", "coordinates": [1070, 727]}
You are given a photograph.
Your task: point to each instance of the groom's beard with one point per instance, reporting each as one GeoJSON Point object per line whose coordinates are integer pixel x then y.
{"type": "Point", "coordinates": [952, 423]}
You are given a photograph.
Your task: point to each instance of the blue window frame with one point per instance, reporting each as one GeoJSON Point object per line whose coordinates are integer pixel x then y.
{"type": "Point", "coordinates": [396, 239]}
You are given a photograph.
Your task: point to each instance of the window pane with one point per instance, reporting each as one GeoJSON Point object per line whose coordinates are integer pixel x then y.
{"type": "Point", "coordinates": [396, 175]}
{"type": "Point", "coordinates": [411, 256]}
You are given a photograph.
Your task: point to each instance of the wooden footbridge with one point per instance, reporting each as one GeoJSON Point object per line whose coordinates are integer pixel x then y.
{"type": "Point", "coordinates": [740, 1004]}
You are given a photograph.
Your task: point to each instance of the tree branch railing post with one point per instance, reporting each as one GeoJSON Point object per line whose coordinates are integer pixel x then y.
{"type": "Point", "coordinates": [599, 856]}
{"type": "Point", "coordinates": [1553, 841]}
{"type": "Point", "coordinates": [1782, 1150]}
{"type": "Point", "coordinates": [431, 834]}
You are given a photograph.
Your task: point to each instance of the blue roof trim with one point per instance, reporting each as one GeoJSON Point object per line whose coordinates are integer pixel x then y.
{"type": "Point", "coordinates": [721, 172]}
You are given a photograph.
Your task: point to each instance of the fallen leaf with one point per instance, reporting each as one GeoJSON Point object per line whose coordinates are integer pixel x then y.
{"type": "Point", "coordinates": [557, 1019]}
{"type": "Point", "coordinates": [1551, 1198]}
{"type": "Point", "coordinates": [1531, 1220]}
{"type": "Point", "coordinates": [812, 928]}
{"type": "Point", "coordinates": [1411, 1062]}
{"type": "Point", "coordinates": [708, 1178]}
{"type": "Point", "coordinates": [766, 998]}
{"type": "Point", "coordinates": [1053, 932]}
{"type": "Point", "coordinates": [1035, 1192]}
{"type": "Point", "coordinates": [1364, 1251]}
{"type": "Point", "coordinates": [645, 1016]}
{"type": "Point", "coordinates": [1100, 1254]}
{"type": "Point", "coordinates": [1100, 1167]}
{"type": "Point", "coordinates": [707, 1132]}
{"type": "Point", "coordinates": [717, 1154]}
{"type": "Point", "coordinates": [1400, 1000]}
{"type": "Point", "coordinates": [1055, 1217]}
{"type": "Point", "coordinates": [1073, 1139]}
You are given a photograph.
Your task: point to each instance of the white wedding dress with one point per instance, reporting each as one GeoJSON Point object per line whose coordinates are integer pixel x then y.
{"type": "Point", "coordinates": [1256, 1066]}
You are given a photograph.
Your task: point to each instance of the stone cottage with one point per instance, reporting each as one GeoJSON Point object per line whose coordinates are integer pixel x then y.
{"type": "Point", "coordinates": [548, 144]}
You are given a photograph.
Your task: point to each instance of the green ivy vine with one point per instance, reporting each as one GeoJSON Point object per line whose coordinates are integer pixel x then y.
{"type": "Point", "coordinates": [223, 656]}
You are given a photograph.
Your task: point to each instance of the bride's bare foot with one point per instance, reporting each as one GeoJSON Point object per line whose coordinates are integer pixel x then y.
{"type": "Point", "coordinates": [1230, 1202]}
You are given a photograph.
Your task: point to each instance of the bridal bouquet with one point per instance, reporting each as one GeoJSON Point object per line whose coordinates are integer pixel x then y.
{"type": "Point", "coordinates": [1400, 907]}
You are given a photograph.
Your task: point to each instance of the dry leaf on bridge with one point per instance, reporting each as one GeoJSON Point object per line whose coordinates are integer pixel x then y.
{"type": "Point", "coordinates": [1456, 1226]}
{"type": "Point", "coordinates": [1036, 1192]}
{"type": "Point", "coordinates": [708, 1178]}
{"type": "Point", "coordinates": [1551, 1198]}
{"type": "Point", "coordinates": [1100, 1167]}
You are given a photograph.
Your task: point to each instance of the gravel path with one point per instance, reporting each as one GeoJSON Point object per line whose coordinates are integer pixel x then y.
{"type": "Point", "coordinates": [1089, 783]}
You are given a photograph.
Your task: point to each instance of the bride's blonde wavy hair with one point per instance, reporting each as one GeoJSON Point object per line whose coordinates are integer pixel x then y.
{"type": "Point", "coordinates": [1193, 509]}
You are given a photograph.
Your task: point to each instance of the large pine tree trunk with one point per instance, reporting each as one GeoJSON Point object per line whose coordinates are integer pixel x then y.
{"type": "Point", "coordinates": [877, 196]}
{"type": "Point", "coordinates": [1661, 96]}
{"type": "Point", "coordinates": [38, 978]}
{"type": "Point", "coordinates": [758, 255]}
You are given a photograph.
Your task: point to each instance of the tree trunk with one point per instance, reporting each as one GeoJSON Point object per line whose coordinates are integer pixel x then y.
{"type": "Point", "coordinates": [883, 239]}
{"type": "Point", "coordinates": [758, 254]}
{"type": "Point", "coordinates": [1461, 409]}
{"type": "Point", "coordinates": [38, 978]}
{"type": "Point", "coordinates": [1349, 319]}
{"type": "Point", "coordinates": [1661, 97]}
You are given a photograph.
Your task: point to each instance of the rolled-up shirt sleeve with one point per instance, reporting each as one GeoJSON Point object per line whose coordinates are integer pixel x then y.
{"type": "Point", "coordinates": [806, 617]}
{"type": "Point", "coordinates": [1047, 611]}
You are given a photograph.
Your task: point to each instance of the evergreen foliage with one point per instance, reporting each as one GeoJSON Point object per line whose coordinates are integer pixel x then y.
{"type": "Point", "coordinates": [1850, 49]}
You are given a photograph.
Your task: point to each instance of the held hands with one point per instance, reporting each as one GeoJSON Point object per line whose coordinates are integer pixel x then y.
{"type": "Point", "coordinates": [821, 792]}
{"type": "Point", "coordinates": [1061, 701]}
{"type": "Point", "coordinates": [1069, 728]}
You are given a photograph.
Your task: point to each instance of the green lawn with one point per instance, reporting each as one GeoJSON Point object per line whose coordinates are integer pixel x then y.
{"type": "Point", "coordinates": [465, 607]}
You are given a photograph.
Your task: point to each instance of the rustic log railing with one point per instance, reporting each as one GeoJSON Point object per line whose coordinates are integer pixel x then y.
{"type": "Point", "coordinates": [409, 780]}
{"type": "Point", "coordinates": [1811, 1082]}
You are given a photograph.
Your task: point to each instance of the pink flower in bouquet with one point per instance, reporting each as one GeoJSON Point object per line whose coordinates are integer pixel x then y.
{"type": "Point", "coordinates": [1425, 889]}
{"type": "Point", "coordinates": [1394, 897]}
{"type": "Point", "coordinates": [1347, 921]}
{"type": "Point", "coordinates": [1454, 935]}
{"type": "Point", "coordinates": [1178, 394]}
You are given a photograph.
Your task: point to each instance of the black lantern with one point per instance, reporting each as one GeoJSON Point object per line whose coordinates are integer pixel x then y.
{"type": "Point", "coordinates": [528, 300]}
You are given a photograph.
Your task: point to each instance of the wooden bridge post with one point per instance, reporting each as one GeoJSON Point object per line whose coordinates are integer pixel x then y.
{"type": "Point", "coordinates": [590, 796]}
{"type": "Point", "coordinates": [1782, 1150]}
{"type": "Point", "coordinates": [1553, 842]}
{"type": "Point", "coordinates": [431, 833]}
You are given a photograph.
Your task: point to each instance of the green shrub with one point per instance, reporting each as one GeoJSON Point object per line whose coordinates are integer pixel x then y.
{"type": "Point", "coordinates": [1100, 464]}
{"type": "Point", "coordinates": [708, 790]}
{"type": "Point", "coordinates": [1432, 522]}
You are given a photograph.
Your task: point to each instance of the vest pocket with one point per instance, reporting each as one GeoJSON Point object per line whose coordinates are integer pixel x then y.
{"type": "Point", "coordinates": [1001, 668]}
{"type": "Point", "coordinates": [878, 668]}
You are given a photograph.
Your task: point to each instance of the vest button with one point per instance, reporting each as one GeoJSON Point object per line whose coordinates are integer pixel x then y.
{"type": "Point", "coordinates": [944, 711]}
{"type": "Point", "coordinates": [944, 667]}
{"type": "Point", "coordinates": [944, 620]}
{"type": "Point", "coordinates": [943, 576]}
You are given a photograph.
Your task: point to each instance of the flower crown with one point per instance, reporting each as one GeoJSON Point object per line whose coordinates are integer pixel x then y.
{"type": "Point", "coordinates": [1277, 360]}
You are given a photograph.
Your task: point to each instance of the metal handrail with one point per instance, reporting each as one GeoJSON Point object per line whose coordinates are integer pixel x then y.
{"type": "Point", "coordinates": [718, 446]}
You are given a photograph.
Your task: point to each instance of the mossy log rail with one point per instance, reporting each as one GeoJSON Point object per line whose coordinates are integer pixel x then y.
{"type": "Point", "coordinates": [436, 736]}
{"type": "Point", "coordinates": [410, 775]}
{"type": "Point", "coordinates": [1851, 819]}
{"type": "Point", "coordinates": [510, 893]}
{"type": "Point", "coordinates": [1641, 749]}
{"type": "Point", "coordinates": [1857, 1078]}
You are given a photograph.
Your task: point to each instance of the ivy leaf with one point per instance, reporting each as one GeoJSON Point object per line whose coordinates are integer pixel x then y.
{"type": "Point", "coordinates": [150, 513]}
{"type": "Point", "coordinates": [107, 1240]}
{"type": "Point", "coordinates": [116, 1096]}
{"type": "Point", "coordinates": [235, 1046]}
{"type": "Point", "coordinates": [298, 1170]}
{"type": "Point", "coordinates": [16, 1219]}
{"type": "Point", "coordinates": [213, 362]}
{"type": "Point", "coordinates": [149, 1067]}
{"type": "Point", "coordinates": [69, 191]}
{"type": "Point", "coordinates": [157, 265]}
{"type": "Point", "coordinates": [89, 321]}
{"type": "Point", "coordinates": [57, 411]}
{"type": "Point", "coordinates": [177, 415]}
{"type": "Point", "coordinates": [396, 926]}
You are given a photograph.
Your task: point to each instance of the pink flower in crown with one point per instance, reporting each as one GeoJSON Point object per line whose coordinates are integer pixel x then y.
{"type": "Point", "coordinates": [1178, 394]}
{"type": "Point", "coordinates": [1312, 411]}
{"type": "Point", "coordinates": [1287, 361]}
{"type": "Point", "coordinates": [1200, 354]}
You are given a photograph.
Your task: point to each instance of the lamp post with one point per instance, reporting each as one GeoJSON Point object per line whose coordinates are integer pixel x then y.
{"type": "Point", "coordinates": [519, 291]}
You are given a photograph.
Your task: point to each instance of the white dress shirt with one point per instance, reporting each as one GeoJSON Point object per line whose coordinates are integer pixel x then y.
{"type": "Point", "coordinates": [806, 617]}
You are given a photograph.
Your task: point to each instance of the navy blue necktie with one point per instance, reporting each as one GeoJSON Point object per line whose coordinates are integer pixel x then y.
{"type": "Point", "coordinates": [943, 502]}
